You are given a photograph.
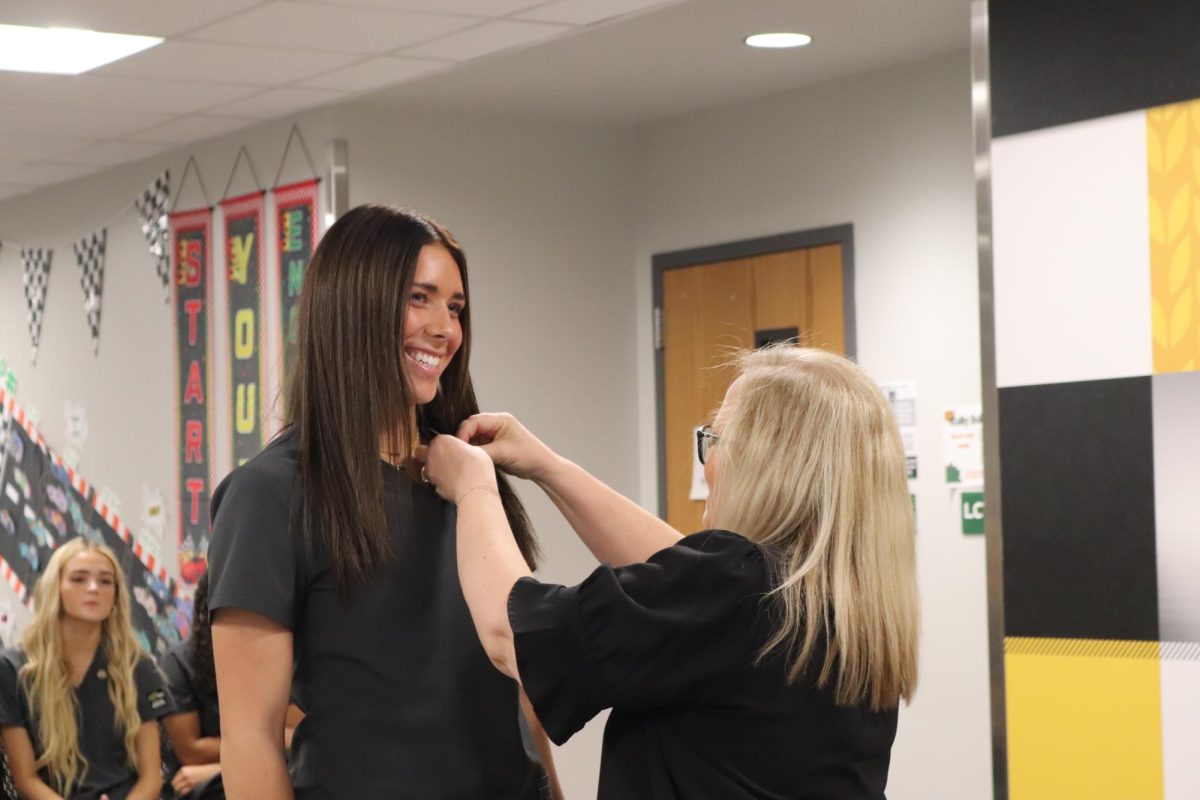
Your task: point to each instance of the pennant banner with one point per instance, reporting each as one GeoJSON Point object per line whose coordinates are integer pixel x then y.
{"type": "Point", "coordinates": [44, 503]}
{"type": "Point", "coordinates": [244, 278]}
{"type": "Point", "coordinates": [89, 257]}
{"type": "Point", "coordinates": [191, 235]}
{"type": "Point", "coordinates": [296, 222]}
{"type": "Point", "coordinates": [152, 209]}
{"type": "Point", "coordinates": [35, 277]}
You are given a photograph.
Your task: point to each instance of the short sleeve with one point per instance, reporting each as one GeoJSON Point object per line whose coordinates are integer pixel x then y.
{"type": "Point", "coordinates": [674, 631]}
{"type": "Point", "coordinates": [252, 557]}
{"type": "Point", "coordinates": [179, 680]}
{"type": "Point", "coordinates": [153, 700]}
{"type": "Point", "coordinates": [13, 709]}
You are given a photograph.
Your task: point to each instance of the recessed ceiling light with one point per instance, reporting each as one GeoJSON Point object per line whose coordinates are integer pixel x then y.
{"type": "Point", "coordinates": [65, 51]}
{"type": "Point", "coordinates": [778, 40]}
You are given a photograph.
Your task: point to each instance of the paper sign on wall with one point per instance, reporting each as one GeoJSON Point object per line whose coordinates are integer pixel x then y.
{"type": "Point", "coordinates": [902, 396]}
{"type": "Point", "coordinates": [962, 445]}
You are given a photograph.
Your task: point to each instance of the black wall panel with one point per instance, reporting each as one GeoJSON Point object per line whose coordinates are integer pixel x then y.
{"type": "Point", "coordinates": [1060, 61]}
{"type": "Point", "coordinates": [1077, 467]}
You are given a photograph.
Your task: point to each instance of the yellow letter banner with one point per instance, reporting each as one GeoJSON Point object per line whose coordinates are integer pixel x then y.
{"type": "Point", "coordinates": [244, 276]}
{"type": "Point", "coordinates": [191, 237]}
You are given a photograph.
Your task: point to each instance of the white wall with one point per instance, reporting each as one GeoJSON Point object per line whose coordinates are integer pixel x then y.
{"type": "Point", "coordinates": [890, 152]}
{"type": "Point", "coordinates": [559, 223]}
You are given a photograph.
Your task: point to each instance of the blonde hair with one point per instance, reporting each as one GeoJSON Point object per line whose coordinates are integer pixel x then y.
{"type": "Point", "coordinates": [811, 465]}
{"type": "Point", "coordinates": [46, 676]}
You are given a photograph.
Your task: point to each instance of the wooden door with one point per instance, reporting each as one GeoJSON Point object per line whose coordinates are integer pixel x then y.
{"type": "Point", "coordinates": [710, 312]}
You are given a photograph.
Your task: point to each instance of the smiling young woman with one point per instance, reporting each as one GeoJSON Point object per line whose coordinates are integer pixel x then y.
{"type": "Point", "coordinates": [327, 557]}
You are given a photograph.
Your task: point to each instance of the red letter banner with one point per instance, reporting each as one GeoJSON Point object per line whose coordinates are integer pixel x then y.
{"type": "Point", "coordinates": [296, 223]}
{"type": "Point", "coordinates": [191, 236]}
{"type": "Point", "coordinates": [244, 276]}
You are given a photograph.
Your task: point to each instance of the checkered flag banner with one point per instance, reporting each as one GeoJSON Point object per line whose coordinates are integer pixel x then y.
{"type": "Point", "coordinates": [35, 275]}
{"type": "Point", "coordinates": [152, 208]}
{"type": "Point", "coordinates": [89, 257]}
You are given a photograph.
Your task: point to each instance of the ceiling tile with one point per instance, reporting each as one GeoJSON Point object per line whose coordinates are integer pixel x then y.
{"type": "Point", "coordinates": [9, 190]}
{"type": "Point", "coordinates": [470, 8]}
{"type": "Point", "coordinates": [188, 129]}
{"type": "Point", "coordinates": [491, 37]}
{"type": "Point", "coordinates": [148, 17]}
{"type": "Point", "coordinates": [275, 103]}
{"type": "Point", "coordinates": [15, 84]}
{"type": "Point", "coordinates": [330, 28]}
{"type": "Point", "coordinates": [27, 147]}
{"type": "Point", "coordinates": [76, 123]}
{"type": "Point", "coordinates": [45, 172]}
{"type": "Point", "coordinates": [586, 12]}
{"type": "Point", "coordinates": [135, 94]}
{"type": "Point", "coordinates": [108, 154]}
{"type": "Point", "coordinates": [259, 66]}
{"type": "Point", "coordinates": [376, 73]}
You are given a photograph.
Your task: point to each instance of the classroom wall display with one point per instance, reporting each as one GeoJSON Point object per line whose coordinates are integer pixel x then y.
{"type": "Point", "coordinates": [45, 503]}
{"type": "Point", "coordinates": [245, 286]}
{"type": "Point", "coordinates": [191, 244]}
{"type": "Point", "coordinates": [1095, 252]}
{"type": "Point", "coordinates": [297, 227]}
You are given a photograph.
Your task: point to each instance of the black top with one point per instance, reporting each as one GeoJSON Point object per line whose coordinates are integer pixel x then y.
{"type": "Point", "coordinates": [400, 699]}
{"type": "Point", "coordinates": [100, 742]}
{"type": "Point", "coordinates": [670, 646]}
{"type": "Point", "coordinates": [186, 695]}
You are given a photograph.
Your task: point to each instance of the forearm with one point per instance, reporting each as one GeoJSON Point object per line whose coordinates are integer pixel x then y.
{"type": "Point", "coordinates": [542, 742]}
{"type": "Point", "coordinates": [148, 787]}
{"type": "Point", "coordinates": [204, 750]}
{"type": "Point", "coordinates": [253, 767]}
{"type": "Point", "coordinates": [489, 563]}
{"type": "Point", "coordinates": [35, 789]}
{"type": "Point", "coordinates": [617, 530]}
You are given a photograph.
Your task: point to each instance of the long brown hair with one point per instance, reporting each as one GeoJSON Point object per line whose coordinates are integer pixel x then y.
{"type": "Point", "coordinates": [348, 387]}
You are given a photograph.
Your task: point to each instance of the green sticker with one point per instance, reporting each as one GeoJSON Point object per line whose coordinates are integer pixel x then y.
{"type": "Point", "coordinates": [972, 512]}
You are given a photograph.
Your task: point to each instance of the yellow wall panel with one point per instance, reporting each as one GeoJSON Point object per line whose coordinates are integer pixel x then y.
{"type": "Point", "coordinates": [1173, 161]}
{"type": "Point", "coordinates": [1084, 719]}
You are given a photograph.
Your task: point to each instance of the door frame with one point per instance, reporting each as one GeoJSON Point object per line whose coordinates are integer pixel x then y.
{"type": "Point", "coordinates": [728, 251]}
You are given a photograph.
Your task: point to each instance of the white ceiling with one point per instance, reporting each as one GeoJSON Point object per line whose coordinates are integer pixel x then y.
{"type": "Point", "coordinates": [228, 64]}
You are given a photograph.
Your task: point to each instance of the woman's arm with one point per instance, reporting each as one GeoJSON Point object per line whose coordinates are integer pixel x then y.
{"type": "Point", "coordinates": [542, 742]}
{"type": "Point", "coordinates": [489, 562]}
{"type": "Point", "coordinates": [617, 530]}
{"type": "Point", "coordinates": [253, 657]}
{"type": "Point", "coordinates": [21, 759]}
{"type": "Point", "coordinates": [190, 776]}
{"type": "Point", "coordinates": [149, 763]}
{"type": "Point", "coordinates": [183, 729]}
{"type": "Point", "coordinates": [291, 720]}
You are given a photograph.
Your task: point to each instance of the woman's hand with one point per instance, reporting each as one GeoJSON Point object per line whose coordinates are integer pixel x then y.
{"type": "Point", "coordinates": [509, 443]}
{"type": "Point", "coordinates": [455, 468]}
{"type": "Point", "coordinates": [189, 777]}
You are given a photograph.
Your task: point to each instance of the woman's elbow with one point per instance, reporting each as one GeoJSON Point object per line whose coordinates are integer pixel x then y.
{"type": "Point", "coordinates": [500, 649]}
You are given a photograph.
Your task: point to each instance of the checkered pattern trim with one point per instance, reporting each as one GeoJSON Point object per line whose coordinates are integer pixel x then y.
{"type": "Point", "coordinates": [84, 488]}
{"type": "Point", "coordinates": [152, 209]}
{"type": "Point", "coordinates": [35, 277]}
{"type": "Point", "coordinates": [89, 257]}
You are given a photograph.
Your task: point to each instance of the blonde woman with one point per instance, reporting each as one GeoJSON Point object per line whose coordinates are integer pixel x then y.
{"type": "Point", "coordinates": [764, 658]}
{"type": "Point", "coordinates": [79, 700]}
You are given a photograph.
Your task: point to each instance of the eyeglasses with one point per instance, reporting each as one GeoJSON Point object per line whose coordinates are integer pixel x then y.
{"type": "Point", "coordinates": [705, 439]}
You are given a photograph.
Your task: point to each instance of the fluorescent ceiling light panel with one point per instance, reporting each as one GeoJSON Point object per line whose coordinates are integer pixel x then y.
{"type": "Point", "coordinates": [778, 40]}
{"type": "Point", "coordinates": [65, 51]}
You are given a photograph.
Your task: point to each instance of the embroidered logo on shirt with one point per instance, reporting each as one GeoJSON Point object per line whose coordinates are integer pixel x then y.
{"type": "Point", "coordinates": [157, 698]}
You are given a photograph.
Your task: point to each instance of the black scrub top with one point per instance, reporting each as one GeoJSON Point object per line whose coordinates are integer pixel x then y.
{"type": "Point", "coordinates": [400, 699]}
{"type": "Point", "coordinates": [670, 645]}
{"type": "Point", "coordinates": [100, 743]}
{"type": "Point", "coordinates": [186, 695]}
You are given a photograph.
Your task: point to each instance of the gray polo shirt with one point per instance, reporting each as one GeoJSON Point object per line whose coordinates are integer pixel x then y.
{"type": "Point", "coordinates": [101, 744]}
